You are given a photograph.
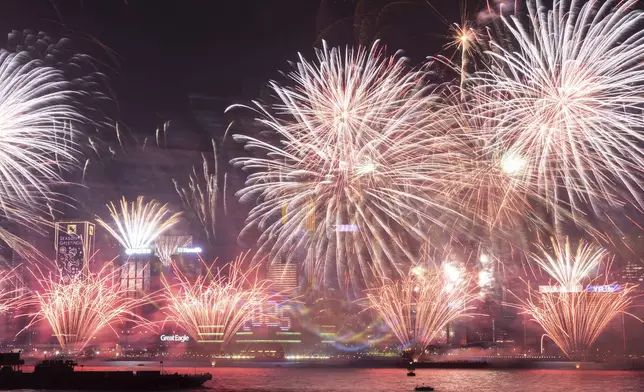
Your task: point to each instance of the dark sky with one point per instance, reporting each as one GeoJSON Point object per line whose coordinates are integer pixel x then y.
{"type": "Point", "coordinates": [161, 51]}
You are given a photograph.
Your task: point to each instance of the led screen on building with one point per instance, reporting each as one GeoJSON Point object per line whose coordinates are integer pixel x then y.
{"type": "Point", "coordinates": [74, 243]}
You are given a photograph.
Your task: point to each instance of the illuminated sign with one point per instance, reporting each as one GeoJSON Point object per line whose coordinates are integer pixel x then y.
{"type": "Point", "coordinates": [74, 242]}
{"type": "Point", "coordinates": [604, 288]}
{"type": "Point", "coordinates": [561, 289]}
{"type": "Point", "coordinates": [140, 251]}
{"type": "Point", "coordinates": [175, 338]}
{"type": "Point", "coordinates": [189, 250]}
{"type": "Point", "coordinates": [346, 228]}
{"type": "Point", "coordinates": [271, 314]}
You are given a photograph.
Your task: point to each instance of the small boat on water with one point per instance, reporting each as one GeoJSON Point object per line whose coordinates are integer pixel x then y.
{"type": "Point", "coordinates": [60, 375]}
{"type": "Point", "coordinates": [411, 373]}
{"type": "Point", "coordinates": [423, 388]}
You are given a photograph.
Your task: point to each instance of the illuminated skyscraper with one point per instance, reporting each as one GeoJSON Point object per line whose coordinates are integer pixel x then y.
{"type": "Point", "coordinates": [135, 276]}
{"type": "Point", "coordinates": [283, 277]}
{"type": "Point", "coordinates": [74, 244]}
{"type": "Point", "coordinates": [633, 272]}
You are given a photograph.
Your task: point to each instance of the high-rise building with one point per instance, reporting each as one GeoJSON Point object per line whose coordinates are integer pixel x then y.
{"type": "Point", "coordinates": [633, 272]}
{"type": "Point", "coordinates": [74, 244]}
{"type": "Point", "coordinates": [274, 328]}
{"type": "Point", "coordinates": [283, 277]}
{"type": "Point", "coordinates": [135, 276]}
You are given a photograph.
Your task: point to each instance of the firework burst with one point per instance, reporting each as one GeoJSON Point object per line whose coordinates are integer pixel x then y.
{"type": "Point", "coordinates": [566, 103]}
{"type": "Point", "coordinates": [82, 307]}
{"type": "Point", "coordinates": [167, 246]}
{"type": "Point", "coordinates": [568, 265]}
{"type": "Point", "coordinates": [214, 307]}
{"type": "Point", "coordinates": [360, 146]}
{"type": "Point", "coordinates": [202, 194]}
{"type": "Point", "coordinates": [572, 316]}
{"type": "Point", "coordinates": [574, 320]}
{"type": "Point", "coordinates": [422, 304]}
{"type": "Point", "coordinates": [138, 224]}
{"type": "Point", "coordinates": [37, 115]}
{"type": "Point", "coordinates": [487, 186]}
{"type": "Point", "coordinates": [465, 39]}
{"type": "Point", "coordinates": [12, 295]}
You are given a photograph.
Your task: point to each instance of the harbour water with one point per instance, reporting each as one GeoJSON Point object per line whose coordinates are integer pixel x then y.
{"type": "Point", "coordinates": [286, 379]}
{"type": "Point", "coordinates": [443, 380]}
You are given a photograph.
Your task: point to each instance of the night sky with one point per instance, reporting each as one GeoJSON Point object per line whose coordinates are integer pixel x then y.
{"type": "Point", "coordinates": [158, 52]}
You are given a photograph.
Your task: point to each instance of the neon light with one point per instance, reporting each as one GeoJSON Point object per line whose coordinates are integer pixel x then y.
{"type": "Point", "coordinates": [175, 338]}
{"type": "Point", "coordinates": [189, 250]}
{"type": "Point", "coordinates": [329, 341]}
{"type": "Point", "coordinates": [288, 333]}
{"type": "Point", "coordinates": [561, 289]}
{"type": "Point", "coordinates": [267, 341]}
{"type": "Point", "coordinates": [297, 357]}
{"type": "Point", "coordinates": [244, 333]}
{"type": "Point", "coordinates": [139, 251]}
{"type": "Point", "coordinates": [346, 228]}
{"type": "Point", "coordinates": [605, 288]}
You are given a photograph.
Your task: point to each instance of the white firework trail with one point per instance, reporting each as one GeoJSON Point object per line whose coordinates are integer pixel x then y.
{"type": "Point", "coordinates": [38, 112]}
{"type": "Point", "coordinates": [202, 194]}
{"type": "Point", "coordinates": [567, 101]}
{"type": "Point", "coordinates": [167, 246]}
{"type": "Point", "coordinates": [135, 225]}
{"type": "Point", "coordinates": [361, 153]}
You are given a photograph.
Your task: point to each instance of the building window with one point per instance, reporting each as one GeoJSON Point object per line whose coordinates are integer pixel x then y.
{"type": "Point", "coordinates": [135, 277]}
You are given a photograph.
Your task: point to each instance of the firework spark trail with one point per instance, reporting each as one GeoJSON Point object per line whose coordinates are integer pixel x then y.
{"type": "Point", "coordinates": [362, 145]}
{"type": "Point", "coordinates": [571, 96]}
{"type": "Point", "coordinates": [11, 296]}
{"type": "Point", "coordinates": [87, 304]}
{"type": "Point", "coordinates": [486, 187]}
{"type": "Point", "coordinates": [167, 246]}
{"type": "Point", "coordinates": [568, 266]}
{"type": "Point", "coordinates": [214, 307]}
{"type": "Point", "coordinates": [465, 39]}
{"type": "Point", "coordinates": [139, 223]}
{"type": "Point", "coordinates": [202, 195]}
{"type": "Point", "coordinates": [419, 307]}
{"type": "Point", "coordinates": [37, 112]}
{"type": "Point", "coordinates": [575, 320]}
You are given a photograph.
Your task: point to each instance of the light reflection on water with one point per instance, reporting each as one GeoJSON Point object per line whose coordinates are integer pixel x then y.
{"type": "Point", "coordinates": [443, 380]}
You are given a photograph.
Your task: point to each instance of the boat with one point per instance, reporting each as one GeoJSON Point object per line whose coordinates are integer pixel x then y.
{"type": "Point", "coordinates": [423, 388]}
{"type": "Point", "coordinates": [411, 373]}
{"type": "Point", "coordinates": [61, 375]}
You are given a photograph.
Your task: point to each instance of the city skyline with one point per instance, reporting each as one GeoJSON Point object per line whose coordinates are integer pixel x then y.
{"type": "Point", "coordinates": [335, 183]}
